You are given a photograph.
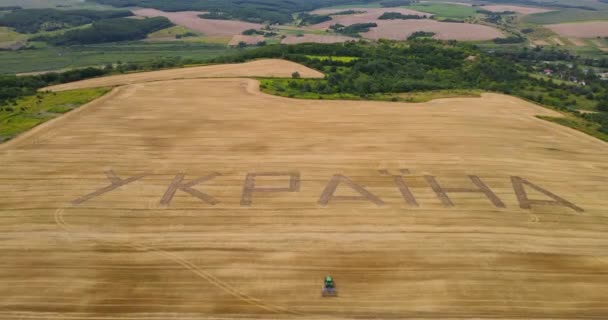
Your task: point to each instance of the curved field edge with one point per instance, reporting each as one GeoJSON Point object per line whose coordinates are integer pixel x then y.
{"type": "Point", "coordinates": [29, 112]}
{"type": "Point", "coordinates": [578, 124]}
{"type": "Point", "coordinates": [273, 76]}
{"type": "Point", "coordinates": [281, 87]}
{"type": "Point", "coordinates": [257, 68]}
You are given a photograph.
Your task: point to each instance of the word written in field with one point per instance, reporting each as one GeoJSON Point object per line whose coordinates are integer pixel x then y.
{"type": "Point", "coordinates": [250, 188]}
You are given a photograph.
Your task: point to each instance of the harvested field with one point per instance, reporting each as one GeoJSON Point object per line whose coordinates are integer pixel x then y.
{"type": "Point", "coordinates": [315, 38]}
{"type": "Point", "coordinates": [261, 68]}
{"type": "Point", "coordinates": [578, 42]}
{"type": "Point", "coordinates": [209, 27]}
{"type": "Point", "coordinates": [249, 40]}
{"type": "Point", "coordinates": [589, 29]}
{"type": "Point", "coordinates": [450, 2]}
{"type": "Point", "coordinates": [401, 29]}
{"type": "Point", "coordinates": [518, 9]}
{"type": "Point", "coordinates": [370, 15]}
{"type": "Point", "coordinates": [205, 199]}
{"type": "Point", "coordinates": [557, 41]}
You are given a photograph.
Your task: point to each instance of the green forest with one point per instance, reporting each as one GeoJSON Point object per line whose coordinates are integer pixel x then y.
{"type": "Point", "coordinates": [109, 30]}
{"type": "Point", "coordinates": [353, 30]}
{"type": "Point", "coordinates": [35, 20]}
{"type": "Point", "coordinates": [399, 15]}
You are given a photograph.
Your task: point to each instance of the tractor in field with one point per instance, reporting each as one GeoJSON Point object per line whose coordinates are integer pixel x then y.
{"type": "Point", "coordinates": [329, 288]}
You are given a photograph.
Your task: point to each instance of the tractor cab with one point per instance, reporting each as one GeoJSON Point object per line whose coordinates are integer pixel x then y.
{"type": "Point", "coordinates": [329, 287]}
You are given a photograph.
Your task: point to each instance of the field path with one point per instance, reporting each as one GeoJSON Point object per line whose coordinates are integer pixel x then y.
{"type": "Point", "coordinates": [61, 223]}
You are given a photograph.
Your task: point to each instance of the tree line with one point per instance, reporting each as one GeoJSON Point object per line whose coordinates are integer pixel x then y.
{"type": "Point", "coordinates": [427, 64]}
{"type": "Point", "coordinates": [396, 3]}
{"type": "Point", "coordinates": [312, 19]}
{"type": "Point", "coordinates": [13, 87]}
{"type": "Point", "coordinates": [109, 30]}
{"type": "Point", "coordinates": [35, 20]}
{"type": "Point", "coordinates": [396, 67]}
{"type": "Point", "coordinates": [257, 11]}
{"type": "Point", "coordinates": [399, 15]}
{"type": "Point", "coordinates": [353, 30]}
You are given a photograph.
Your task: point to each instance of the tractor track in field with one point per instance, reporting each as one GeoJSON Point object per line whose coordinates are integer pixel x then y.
{"type": "Point", "coordinates": [138, 252]}
{"type": "Point", "coordinates": [65, 227]}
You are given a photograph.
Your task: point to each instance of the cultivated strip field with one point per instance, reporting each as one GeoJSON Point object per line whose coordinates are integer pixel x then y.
{"type": "Point", "coordinates": [260, 68]}
{"type": "Point", "coordinates": [590, 29]}
{"type": "Point", "coordinates": [315, 38]}
{"type": "Point", "coordinates": [208, 27]}
{"type": "Point", "coordinates": [402, 29]}
{"type": "Point", "coordinates": [450, 2]}
{"type": "Point", "coordinates": [205, 199]}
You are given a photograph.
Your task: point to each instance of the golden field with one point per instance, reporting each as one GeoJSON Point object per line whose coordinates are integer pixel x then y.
{"type": "Point", "coordinates": [206, 199]}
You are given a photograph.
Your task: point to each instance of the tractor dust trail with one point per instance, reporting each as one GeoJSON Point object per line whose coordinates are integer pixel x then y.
{"type": "Point", "coordinates": [60, 221]}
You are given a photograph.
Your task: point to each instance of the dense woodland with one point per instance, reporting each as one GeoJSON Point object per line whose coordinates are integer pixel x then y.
{"type": "Point", "coordinates": [35, 20]}
{"type": "Point", "coordinates": [312, 19]}
{"type": "Point", "coordinates": [399, 15]}
{"type": "Point", "coordinates": [109, 30]}
{"type": "Point", "coordinates": [396, 3]}
{"type": "Point", "coordinates": [10, 8]}
{"type": "Point", "coordinates": [13, 87]}
{"type": "Point", "coordinates": [353, 30]}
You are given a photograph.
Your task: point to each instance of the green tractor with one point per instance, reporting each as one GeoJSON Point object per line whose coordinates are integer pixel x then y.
{"type": "Point", "coordinates": [329, 288]}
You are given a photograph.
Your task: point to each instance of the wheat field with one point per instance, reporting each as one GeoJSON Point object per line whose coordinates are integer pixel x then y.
{"type": "Point", "coordinates": [206, 199]}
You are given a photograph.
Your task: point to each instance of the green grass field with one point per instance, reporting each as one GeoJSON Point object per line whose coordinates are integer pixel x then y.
{"type": "Point", "coordinates": [172, 32]}
{"type": "Point", "coordinates": [445, 10]}
{"type": "Point", "coordinates": [588, 3]}
{"type": "Point", "coordinates": [8, 35]}
{"type": "Point", "coordinates": [291, 31]}
{"type": "Point", "coordinates": [418, 97]}
{"type": "Point", "coordinates": [58, 58]}
{"type": "Point", "coordinates": [31, 111]}
{"type": "Point", "coordinates": [579, 124]}
{"type": "Point", "coordinates": [566, 15]}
